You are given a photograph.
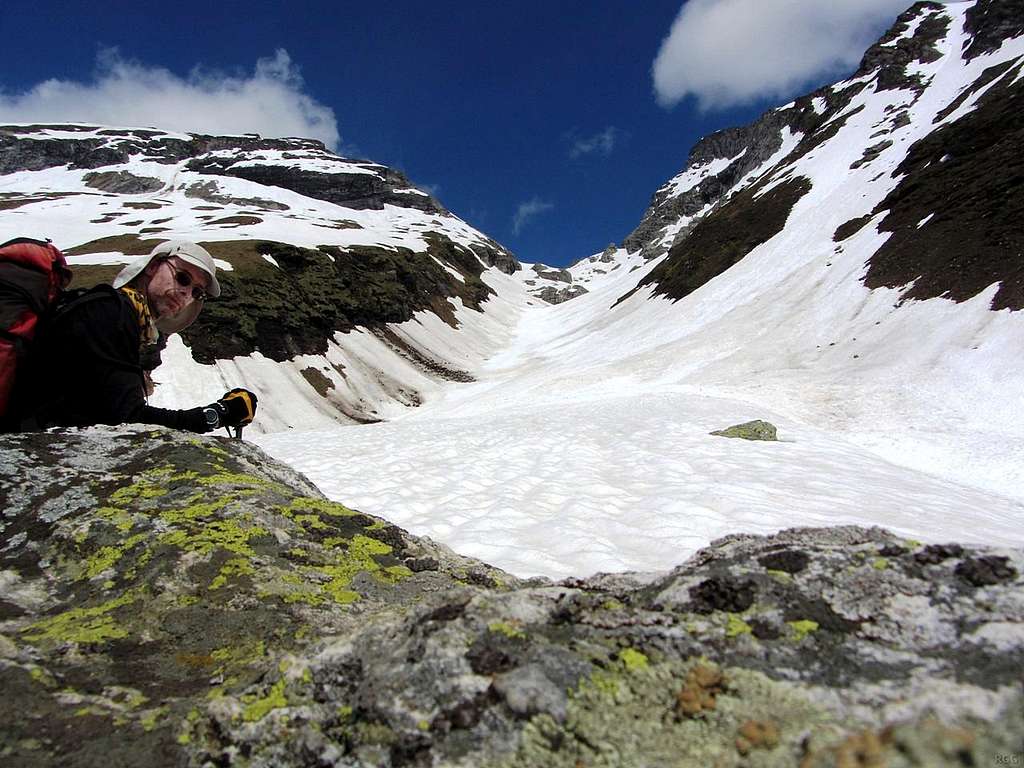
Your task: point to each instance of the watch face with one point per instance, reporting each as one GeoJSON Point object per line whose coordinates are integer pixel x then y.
{"type": "Point", "coordinates": [211, 416]}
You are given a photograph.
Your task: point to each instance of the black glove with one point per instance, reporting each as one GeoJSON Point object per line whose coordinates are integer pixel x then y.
{"type": "Point", "coordinates": [237, 408]}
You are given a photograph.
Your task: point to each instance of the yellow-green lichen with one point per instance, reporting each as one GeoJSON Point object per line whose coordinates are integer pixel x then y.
{"type": "Point", "coordinates": [236, 566]}
{"type": "Point", "coordinates": [257, 707]}
{"type": "Point", "coordinates": [81, 625]}
{"type": "Point", "coordinates": [781, 576]}
{"type": "Point", "coordinates": [307, 504]}
{"type": "Point", "coordinates": [42, 676]}
{"type": "Point", "coordinates": [350, 558]}
{"type": "Point", "coordinates": [802, 628]}
{"type": "Point", "coordinates": [292, 588]}
{"type": "Point", "coordinates": [633, 659]}
{"type": "Point", "coordinates": [143, 489]}
{"type": "Point", "coordinates": [233, 662]}
{"type": "Point", "coordinates": [227, 534]}
{"type": "Point", "coordinates": [122, 521]}
{"type": "Point", "coordinates": [879, 563]}
{"type": "Point", "coordinates": [737, 626]}
{"type": "Point", "coordinates": [237, 479]}
{"type": "Point", "coordinates": [310, 522]}
{"type": "Point", "coordinates": [108, 557]}
{"type": "Point", "coordinates": [510, 629]}
{"type": "Point", "coordinates": [150, 718]}
{"type": "Point", "coordinates": [195, 512]}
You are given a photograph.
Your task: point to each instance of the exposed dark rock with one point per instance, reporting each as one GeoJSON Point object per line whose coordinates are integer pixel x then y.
{"type": "Point", "coordinates": [816, 117]}
{"type": "Point", "coordinates": [990, 23]}
{"type": "Point", "coordinates": [717, 594]}
{"type": "Point", "coordinates": [934, 554]}
{"type": "Point", "coordinates": [985, 571]}
{"type": "Point", "coordinates": [558, 275]}
{"type": "Point", "coordinates": [725, 236]}
{"type": "Point", "coordinates": [374, 189]}
{"type": "Point", "coordinates": [889, 57]}
{"type": "Point", "coordinates": [788, 560]}
{"type": "Point", "coordinates": [180, 601]}
{"type": "Point", "coordinates": [210, 192]}
{"type": "Point", "coordinates": [871, 153]}
{"type": "Point", "coordinates": [122, 182]}
{"type": "Point", "coordinates": [553, 295]}
{"type": "Point", "coordinates": [966, 175]}
{"type": "Point", "coordinates": [358, 184]}
{"type": "Point", "coordinates": [850, 228]}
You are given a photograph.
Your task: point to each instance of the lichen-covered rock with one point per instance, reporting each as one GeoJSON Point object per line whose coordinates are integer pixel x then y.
{"type": "Point", "coordinates": [750, 430]}
{"type": "Point", "coordinates": [171, 600]}
{"type": "Point", "coordinates": [146, 575]}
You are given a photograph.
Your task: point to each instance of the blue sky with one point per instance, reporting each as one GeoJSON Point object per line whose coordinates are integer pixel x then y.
{"type": "Point", "coordinates": [541, 123]}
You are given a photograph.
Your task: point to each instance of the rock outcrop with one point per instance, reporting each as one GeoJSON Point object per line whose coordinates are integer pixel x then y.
{"type": "Point", "coordinates": [173, 600]}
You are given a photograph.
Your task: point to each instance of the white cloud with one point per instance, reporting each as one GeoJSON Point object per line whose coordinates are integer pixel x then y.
{"type": "Point", "coordinates": [727, 52]}
{"type": "Point", "coordinates": [600, 143]}
{"type": "Point", "coordinates": [527, 211]}
{"type": "Point", "coordinates": [269, 101]}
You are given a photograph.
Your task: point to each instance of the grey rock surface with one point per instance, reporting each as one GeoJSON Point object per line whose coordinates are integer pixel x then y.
{"type": "Point", "coordinates": [174, 600]}
{"type": "Point", "coordinates": [558, 275]}
{"type": "Point", "coordinates": [553, 295]}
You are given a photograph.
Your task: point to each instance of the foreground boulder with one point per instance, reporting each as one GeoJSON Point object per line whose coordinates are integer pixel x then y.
{"type": "Point", "coordinates": [173, 600]}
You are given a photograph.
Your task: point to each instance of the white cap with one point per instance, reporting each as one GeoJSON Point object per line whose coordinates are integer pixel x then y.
{"type": "Point", "coordinates": [189, 252]}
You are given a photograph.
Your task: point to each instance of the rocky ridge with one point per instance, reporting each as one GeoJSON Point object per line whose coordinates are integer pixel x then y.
{"type": "Point", "coordinates": [173, 600]}
{"type": "Point", "coordinates": [949, 166]}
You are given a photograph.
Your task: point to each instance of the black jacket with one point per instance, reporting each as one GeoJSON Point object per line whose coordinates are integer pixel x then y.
{"type": "Point", "coordinates": [86, 367]}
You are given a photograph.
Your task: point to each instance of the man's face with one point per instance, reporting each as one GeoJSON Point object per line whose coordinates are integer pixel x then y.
{"type": "Point", "coordinates": [172, 286]}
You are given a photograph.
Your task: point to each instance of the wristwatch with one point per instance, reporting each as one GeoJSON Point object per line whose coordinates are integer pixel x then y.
{"type": "Point", "coordinates": [212, 417]}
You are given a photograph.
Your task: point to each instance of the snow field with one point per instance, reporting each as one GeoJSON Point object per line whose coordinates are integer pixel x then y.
{"type": "Point", "coordinates": [623, 483]}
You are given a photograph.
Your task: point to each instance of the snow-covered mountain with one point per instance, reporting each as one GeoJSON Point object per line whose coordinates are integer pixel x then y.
{"type": "Point", "coordinates": [850, 266]}
{"type": "Point", "coordinates": [325, 258]}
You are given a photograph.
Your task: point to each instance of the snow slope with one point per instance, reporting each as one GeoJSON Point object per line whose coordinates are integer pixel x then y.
{"type": "Point", "coordinates": [584, 444]}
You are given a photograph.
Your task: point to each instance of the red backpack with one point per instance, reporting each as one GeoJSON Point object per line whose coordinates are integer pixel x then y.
{"type": "Point", "coordinates": [33, 275]}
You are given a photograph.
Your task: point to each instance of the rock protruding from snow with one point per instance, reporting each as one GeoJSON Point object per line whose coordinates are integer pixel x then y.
{"type": "Point", "coordinates": [750, 430]}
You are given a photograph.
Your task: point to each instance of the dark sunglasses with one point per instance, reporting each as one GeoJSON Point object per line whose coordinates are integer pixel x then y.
{"type": "Point", "coordinates": [184, 279]}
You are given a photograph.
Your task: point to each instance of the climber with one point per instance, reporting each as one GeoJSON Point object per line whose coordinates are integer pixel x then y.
{"type": "Point", "coordinates": [91, 361]}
